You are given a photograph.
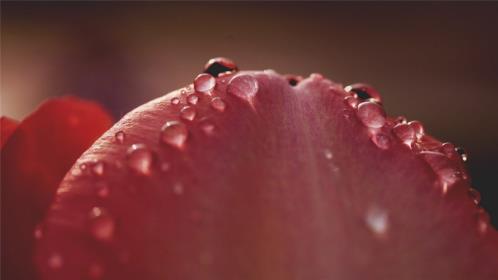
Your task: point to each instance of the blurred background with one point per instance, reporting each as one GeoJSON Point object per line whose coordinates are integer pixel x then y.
{"type": "Point", "coordinates": [435, 62]}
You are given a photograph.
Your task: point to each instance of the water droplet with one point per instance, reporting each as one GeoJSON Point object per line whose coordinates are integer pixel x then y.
{"type": "Point", "coordinates": [120, 137]}
{"type": "Point", "coordinates": [83, 166]}
{"type": "Point", "coordinates": [102, 225]}
{"type": "Point", "coordinates": [400, 119]}
{"type": "Point", "coordinates": [218, 104]}
{"type": "Point", "coordinates": [371, 114]}
{"type": "Point", "coordinates": [482, 221]}
{"type": "Point", "coordinates": [244, 87]}
{"type": "Point", "coordinates": [441, 165]}
{"type": "Point", "coordinates": [475, 195]}
{"type": "Point", "coordinates": [55, 261]}
{"type": "Point", "coordinates": [405, 133]}
{"type": "Point", "coordinates": [38, 233]}
{"type": "Point", "coordinates": [377, 221]}
{"type": "Point", "coordinates": [204, 83]}
{"type": "Point", "coordinates": [207, 127]}
{"type": "Point", "coordinates": [462, 153]}
{"type": "Point", "coordinates": [351, 101]}
{"type": "Point", "coordinates": [175, 101]}
{"type": "Point", "coordinates": [188, 113]}
{"type": "Point", "coordinates": [174, 133]}
{"type": "Point", "coordinates": [95, 271]}
{"type": "Point", "coordinates": [178, 189]}
{"type": "Point", "coordinates": [165, 166]}
{"type": "Point", "coordinates": [98, 168]}
{"type": "Point", "coordinates": [218, 65]}
{"type": "Point", "coordinates": [381, 140]}
{"type": "Point", "coordinates": [76, 172]}
{"type": "Point", "coordinates": [364, 92]}
{"type": "Point", "coordinates": [418, 128]}
{"type": "Point", "coordinates": [103, 190]}
{"type": "Point", "coordinates": [140, 159]}
{"type": "Point", "coordinates": [448, 149]}
{"type": "Point", "coordinates": [328, 154]}
{"type": "Point", "coordinates": [192, 99]}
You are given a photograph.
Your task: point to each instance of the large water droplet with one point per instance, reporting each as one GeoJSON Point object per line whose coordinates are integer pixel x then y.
{"type": "Point", "coordinates": [218, 104]}
{"type": "Point", "coordinates": [405, 133]}
{"type": "Point", "coordinates": [175, 101]}
{"type": "Point", "coordinates": [188, 113]}
{"type": "Point", "coordinates": [55, 261]}
{"type": "Point", "coordinates": [377, 221]}
{"type": "Point", "coordinates": [218, 65]}
{"type": "Point", "coordinates": [418, 128]}
{"type": "Point", "coordinates": [120, 137]}
{"type": "Point", "coordinates": [102, 225]}
{"type": "Point", "coordinates": [174, 133]}
{"type": "Point", "coordinates": [400, 119]}
{"type": "Point", "coordinates": [371, 114]}
{"type": "Point", "coordinates": [364, 92]}
{"type": "Point", "coordinates": [193, 99]}
{"type": "Point", "coordinates": [204, 83]}
{"type": "Point", "coordinates": [98, 168]}
{"type": "Point", "coordinates": [244, 87]}
{"type": "Point", "coordinates": [140, 159]}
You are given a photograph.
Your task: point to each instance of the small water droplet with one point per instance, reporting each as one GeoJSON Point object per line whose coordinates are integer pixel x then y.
{"type": "Point", "coordinates": [55, 261]}
{"type": "Point", "coordinates": [482, 221]}
{"type": "Point", "coordinates": [140, 159]}
{"type": "Point", "coordinates": [76, 171]}
{"type": "Point", "coordinates": [351, 101]}
{"type": "Point", "coordinates": [244, 87]}
{"type": "Point", "coordinates": [178, 189]}
{"type": "Point", "coordinates": [405, 133]}
{"type": "Point", "coordinates": [364, 92]}
{"type": "Point", "coordinates": [204, 83]}
{"type": "Point", "coordinates": [462, 153]}
{"type": "Point", "coordinates": [192, 99]}
{"type": "Point", "coordinates": [120, 137]}
{"type": "Point", "coordinates": [418, 128]}
{"type": "Point", "coordinates": [83, 166]}
{"type": "Point", "coordinates": [381, 140]}
{"type": "Point", "coordinates": [98, 168]}
{"type": "Point", "coordinates": [188, 113]}
{"type": "Point", "coordinates": [218, 65]}
{"type": "Point", "coordinates": [207, 127]}
{"type": "Point", "coordinates": [400, 119]}
{"type": "Point", "coordinates": [328, 154]}
{"type": "Point", "coordinates": [102, 225]}
{"type": "Point", "coordinates": [95, 271]}
{"type": "Point", "coordinates": [175, 101]}
{"type": "Point", "coordinates": [377, 221]}
{"type": "Point", "coordinates": [38, 233]}
{"type": "Point", "coordinates": [218, 104]}
{"type": "Point", "coordinates": [165, 166]}
{"type": "Point", "coordinates": [371, 114]}
{"type": "Point", "coordinates": [475, 195]}
{"type": "Point", "coordinates": [174, 133]}
{"type": "Point", "coordinates": [103, 190]}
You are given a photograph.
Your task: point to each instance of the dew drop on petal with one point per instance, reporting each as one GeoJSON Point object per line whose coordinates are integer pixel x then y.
{"type": "Point", "coordinates": [174, 133]}
{"type": "Point", "coordinates": [448, 149]}
{"type": "Point", "coordinates": [140, 159]}
{"type": "Point", "coordinates": [98, 168]}
{"type": "Point", "coordinates": [377, 221]}
{"type": "Point", "coordinates": [38, 233]}
{"type": "Point", "coordinates": [327, 154]}
{"type": "Point", "coordinates": [188, 113]}
{"type": "Point", "coordinates": [192, 99]}
{"type": "Point", "coordinates": [83, 166]}
{"type": "Point", "coordinates": [102, 225]}
{"type": "Point", "coordinates": [165, 166]}
{"type": "Point", "coordinates": [482, 221]}
{"type": "Point", "coordinates": [405, 133]}
{"type": "Point", "coordinates": [218, 65]}
{"type": "Point", "coordinates": [418, 128]}
{"type": "Point", "coordinates": [175, 101]}
{"type": "Point", "coordinates": [120, 137]}
{"type": "Point", "coordinates": [371, 114]}
{"type": "Point", "coordinates": [381, 140]}
{"type": "Point", "coordinates": [351, 101]}
{"type": "Point", "coordinates": [243, 86]}
{"type": "Point", "coordinates": [207, 127]}
{"type": "Point", "coordinates": [178, 189]}
{"type": "Point", "coordinates": [204, 83]}
{"type": "Point", "coordinates": [55, 261]}
{"type": "Point", "coordinates": [218, 104]}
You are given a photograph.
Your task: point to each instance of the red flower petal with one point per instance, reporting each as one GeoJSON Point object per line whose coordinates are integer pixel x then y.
{"type": "Point", "coordinates": [34, 160]}
{"type": "Point", "coordinates": [286, 182]}
{"type": "Point", "coordinates": [7, 127]}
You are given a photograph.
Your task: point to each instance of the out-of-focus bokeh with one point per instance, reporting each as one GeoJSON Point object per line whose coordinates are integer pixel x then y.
{"type": "Point", "coordinates": [435, 62]}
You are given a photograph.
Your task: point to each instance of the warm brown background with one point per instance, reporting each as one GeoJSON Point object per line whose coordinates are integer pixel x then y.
{"type": "Point", "coordinates": [436, 62]}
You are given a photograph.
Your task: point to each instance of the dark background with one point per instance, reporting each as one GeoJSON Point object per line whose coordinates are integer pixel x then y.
{"type": "Point", "coordinates": [435, 62]}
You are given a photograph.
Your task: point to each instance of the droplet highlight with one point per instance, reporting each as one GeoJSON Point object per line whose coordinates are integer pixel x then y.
{"type": "Point", "coordinates": [218, 104]}
{"type": "Point", "coordinates": [418, 127]}
{"type": "Point", "coordinates": [381, 140]}
{"type": "Point", "coordinates": [98, 168]}
{"type": "Point", "coordinates": [119, 137]}
{"type": "Point", "coordinates": [405, 133]}
{"type": "Point", "coordinates": [140, 159]}
{"type": "Point", "coordinates": [244, 87]}
{"type": "Point", "coordinates": [377, 220]}
{"type": "Point", "coordinates": [204, 83]}
{"type": "Point", "coordinates": [192, 99]}
{"type": "Point", "coordinates": [102, 225]}
{"type": "Point", "coordinates": [188, 113]}
{"type": "Point", "coordinates": [371, 114]}
{"type": "Point", "coordinates": [175, 101]}
{"type": "Point", "coordinates": [55, 261]}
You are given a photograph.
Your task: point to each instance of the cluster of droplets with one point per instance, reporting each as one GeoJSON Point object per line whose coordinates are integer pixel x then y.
{"type": "Point", "coordinates": [444, 158]}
